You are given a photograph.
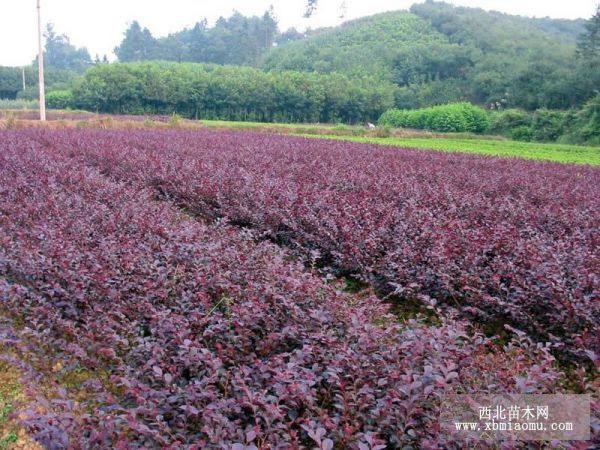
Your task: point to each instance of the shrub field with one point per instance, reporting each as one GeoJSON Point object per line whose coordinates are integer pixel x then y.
{"type": "Point", "coordinates": [506, 240]}
{"type": "Point", "coordinates": [172, 285]}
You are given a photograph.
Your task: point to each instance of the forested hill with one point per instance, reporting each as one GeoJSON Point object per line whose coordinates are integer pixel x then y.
{"type": "Point", "coordinates": [364, 45]}
{"type": "Point", "coordinates": [497, 32]}
{"type": "Point", "coordinates": [440, 53]}
{"type": "Point", "coordinates": [480, 26]}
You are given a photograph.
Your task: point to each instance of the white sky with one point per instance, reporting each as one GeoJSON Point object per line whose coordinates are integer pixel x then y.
{"type": "Point", "coordinates": [99, 24]}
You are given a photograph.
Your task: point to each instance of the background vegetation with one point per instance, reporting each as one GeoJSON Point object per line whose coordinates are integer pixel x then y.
{"type": "Point", "coordinates": [236, 40]}
{"type": "Point", "coordinates": [437, 53]}
{"type": "Point", "coordinates": [229, 92]}
{"type": "Point", "coordinates": [542, 125]}
{"type": "Point", "coordinates": [537, 78]}
{"type": "Point", "coordinates": [550, 125]}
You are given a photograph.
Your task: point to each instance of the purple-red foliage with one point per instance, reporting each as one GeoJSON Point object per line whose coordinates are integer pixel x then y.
{"type": "Point", "coordinates": [210, 339]}
{"type": "Point", "coordinates": [506, 240]}
{"type": "Point", "coordinates": [79, 116]}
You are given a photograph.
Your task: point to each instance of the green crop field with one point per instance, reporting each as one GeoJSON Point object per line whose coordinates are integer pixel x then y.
{"type": "Point", "coordinates": [563, 153]}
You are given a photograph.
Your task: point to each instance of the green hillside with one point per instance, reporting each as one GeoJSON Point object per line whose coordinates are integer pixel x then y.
{"type": "Point", "coordinates": [438, 53]}
{"type": "Point", "coordinates": [366, 44]}
{"type": "Point", "coordinates": [493, 31]}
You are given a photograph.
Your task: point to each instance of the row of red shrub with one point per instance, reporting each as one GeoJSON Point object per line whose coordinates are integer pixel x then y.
{"type": "Point", "coordinates": [196, 335]}
{"type": "Point", "coordinates": [508, 240]}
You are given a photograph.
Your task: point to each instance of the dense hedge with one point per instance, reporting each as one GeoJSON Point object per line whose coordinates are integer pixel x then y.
{"type": "Point", "coordinates": [59, 99]}
{"type": "Point", "coordinates": [452, 117]}
{"type": "Point", "coordinates": [231, 93]}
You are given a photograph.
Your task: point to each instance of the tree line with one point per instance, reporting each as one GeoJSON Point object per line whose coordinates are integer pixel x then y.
{"type": "Point", "coordinates": [63, 62]}
{"type": "Point", "coordinates": [237, 40]}
{"type": "Point", "coordinates": [11, 81]}
{"type": "Point", "coordinates": [206, 91]}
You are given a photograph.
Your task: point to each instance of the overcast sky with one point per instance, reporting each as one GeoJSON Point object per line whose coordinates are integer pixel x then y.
{"type": "Point", "coordinates": [99, 24]}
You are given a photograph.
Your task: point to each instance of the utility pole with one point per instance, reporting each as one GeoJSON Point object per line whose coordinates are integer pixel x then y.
{"type": "Point", "coordinates": [41, 66]}
{"type": "Point", "coordinates": [24, 84]}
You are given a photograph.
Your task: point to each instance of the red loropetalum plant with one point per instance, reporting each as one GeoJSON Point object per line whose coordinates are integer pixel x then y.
{"type": "Point", "coordinates": [198, 336]}
{"type": "Point", "coordinates": [507, 241]}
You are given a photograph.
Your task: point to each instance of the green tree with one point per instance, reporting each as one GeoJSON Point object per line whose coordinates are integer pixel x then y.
{"type": "Point", "coordinates": [589, 121]}
{"type": "Point", "coordinates": [588, 44]}
{"type": "Point", "coordinates": [290, 35]}
{"type": "Point", "coordinates": [61, 54]}
{"type": "Point", "coordinates": [585, 81]}
{"type": "Point", "coordinates": [235, 40]}
{"type": "Point", "coordinates": [138, 45]}
{"type": "Point", "coordinates": [196, 40]}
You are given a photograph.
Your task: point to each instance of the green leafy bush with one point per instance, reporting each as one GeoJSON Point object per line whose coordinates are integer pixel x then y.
{"type": "Point", "coordinates": [522, 133]}
{"type": "Point", "coordinates": [543, 125]}
{"type": "Point", "coordinates": [589, 121]}
{"type": "Point", "coordinates": [59, 100]}
{"type": "Point", "coordinates": [31, 93]}
{"type": "Point", "coordinates": [454, 117]}
{"type": "Point", "coordinates": [547, 125]}
{"type": "Point", "coordinates": [503, 122]}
